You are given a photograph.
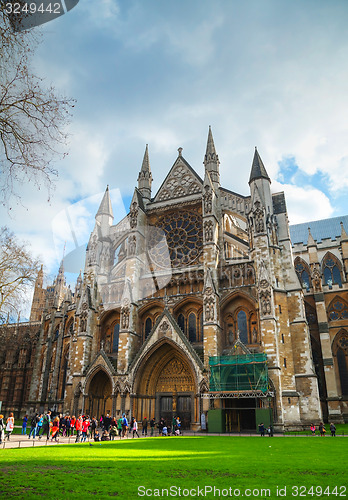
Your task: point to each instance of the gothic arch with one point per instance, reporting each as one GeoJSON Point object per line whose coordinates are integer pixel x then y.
{"type": "Point", "coordinates": [331, 270]}
{"type": "Point", "coordinates": [340, 353]}
{"type": "Point", "coordinates": [92, 373]}
{"type": "Point", "coordinates": [239, 314]}
{"type": "Point", "coordinates": [303, 273]}
{"type": "Point", "coordinates": [153, 361]}
{"type": "Point", "coordinates": [98, 392]}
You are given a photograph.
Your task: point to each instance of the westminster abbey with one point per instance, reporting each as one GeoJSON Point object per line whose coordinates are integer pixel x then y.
{"type": "Point", "coordinates": [202, 303]}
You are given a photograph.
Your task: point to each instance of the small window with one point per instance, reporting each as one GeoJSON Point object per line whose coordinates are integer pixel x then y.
{"type": "Point", "coordinates": [148, 327]}
{"type": "Point", "coordinates": [192, 327]}
{"type": "Point", "coordinates": [284, 362]}
{"type": "Point", "coordinates": [282, 338]}
{"type": "Point", "coordinates": [181, 322]}
{"type": "Point", "coordinates": [116, 337]}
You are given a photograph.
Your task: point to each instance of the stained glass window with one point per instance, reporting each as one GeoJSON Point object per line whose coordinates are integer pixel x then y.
{"type": "Point", "coordinates": [242, 327]}
{"type": "Point", "coordinates": [179, 236]}
{"type": "Point", "coordinates": [342, 368]}
{"type": "Point", "coordinates": [303, 274]}
{"type": "Point", "coordinates": [338, 310]}
{"type": "Point", "coordinates": [181, 322]}
{"type": "Point", "coordinates": [115, 337]}
{"type": "Point", "coordinates": [332, 273]}
{"type": "Point", "coordinates": [192, 327]}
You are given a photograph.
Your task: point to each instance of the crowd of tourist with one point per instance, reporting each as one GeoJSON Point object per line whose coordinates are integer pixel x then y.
{"type": "Point", "coordinates": [83, 427]}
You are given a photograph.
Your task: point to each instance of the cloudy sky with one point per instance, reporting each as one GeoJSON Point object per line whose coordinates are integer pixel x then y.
{"type": "Point", "coordinates": [265, 73]}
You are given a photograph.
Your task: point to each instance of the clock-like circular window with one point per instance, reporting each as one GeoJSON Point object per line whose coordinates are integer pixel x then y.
{"type": "Point", "coordinates": [178, 237]}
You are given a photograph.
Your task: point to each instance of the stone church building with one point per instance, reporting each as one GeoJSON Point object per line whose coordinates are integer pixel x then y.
{"type": "Point", "coordinates": [201, 303]}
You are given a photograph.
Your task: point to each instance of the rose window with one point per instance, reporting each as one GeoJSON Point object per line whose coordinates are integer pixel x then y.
{"type": "Point", "coordinates": [178, 237]}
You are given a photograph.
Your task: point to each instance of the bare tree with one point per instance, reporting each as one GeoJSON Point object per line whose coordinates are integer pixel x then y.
{"type": "Point", "coordinates": [18, 271]}
{"type": "Point", "coordinates": [33, 118]}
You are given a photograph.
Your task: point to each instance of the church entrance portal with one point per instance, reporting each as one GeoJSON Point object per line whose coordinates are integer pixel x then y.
{"type": "Point", "coordinates": [99, 401]}
{"type": "Point", "coordinates": [166, 388]}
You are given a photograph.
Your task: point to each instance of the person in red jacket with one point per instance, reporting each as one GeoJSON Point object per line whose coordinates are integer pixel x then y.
{"type": "Point", "coordinates": [72, 424]}
{"type": "Point", "coordinates": [85, 425]}
{"type": "Point", "coordinates": [78, 427]}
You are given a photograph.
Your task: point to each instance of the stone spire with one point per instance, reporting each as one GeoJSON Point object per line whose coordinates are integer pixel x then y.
{"type": "Point", "coordinates": [104, 216]}
{"type": "Point", "coordinates": [211, 160]}
{"type": "Point", "coordinates": [145, 176]}
{"type": "Point", "coordinates": [105, 207]}
{"type": "Point", "coordinates": [258, 170]}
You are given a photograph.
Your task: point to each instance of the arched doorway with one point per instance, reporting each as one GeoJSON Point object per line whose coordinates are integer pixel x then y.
{"type": "Point", "coordinates": [166, 387]}
{"type": "Point", "coordinates": [99, 399]}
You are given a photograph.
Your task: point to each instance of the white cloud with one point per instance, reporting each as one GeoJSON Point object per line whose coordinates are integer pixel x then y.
{"type": "Point", "coordinates": [304, 204]}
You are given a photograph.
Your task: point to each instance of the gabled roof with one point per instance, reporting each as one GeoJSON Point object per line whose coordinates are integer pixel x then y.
{"type": "Point", "coordinates": [187, 171]}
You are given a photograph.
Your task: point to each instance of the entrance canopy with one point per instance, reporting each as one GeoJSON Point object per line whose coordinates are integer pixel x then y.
{"type": "Point", "coordinates": [243, 374]}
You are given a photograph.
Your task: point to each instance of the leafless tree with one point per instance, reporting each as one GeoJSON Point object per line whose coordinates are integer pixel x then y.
{"type": "Point", "coordinates": [18, 271]}
{"type": "Point", "coordinates": [33, 118]}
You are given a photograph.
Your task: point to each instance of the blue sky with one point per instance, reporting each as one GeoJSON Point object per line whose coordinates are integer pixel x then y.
{"type": "Point", "coordinates": [271, 74]}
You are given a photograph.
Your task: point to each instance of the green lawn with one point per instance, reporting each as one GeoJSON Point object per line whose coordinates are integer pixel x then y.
{"type": "Point", "coordinates": [119, 468]}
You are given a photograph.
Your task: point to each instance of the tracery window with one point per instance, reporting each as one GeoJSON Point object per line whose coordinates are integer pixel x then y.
{"type": "Point", "coordinates": [331, 272]}
{"type": "Point", "coordinates": [178, 236]}
{"type": "Point", "coordinates": [343, 371]}
{"type": "Point", "coordinates": [191, 324]}
{"type": "Point", "coordinates": [302, 272]}
{"type": "Point", "coordinates": [338, 310]}
{"type": "Point", "coordinates": [242, 327]}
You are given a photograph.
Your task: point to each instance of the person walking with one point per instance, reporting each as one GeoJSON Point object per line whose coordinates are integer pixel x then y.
{"type": "Point", "coordinates": [24, 425]}
{"type": "Point", "coordinates": [46, 425]}
{"type": "Point", "coordinates": [2, 425]}
{"type": "Point", "coordinates": [152, 425]}
{"type": "Point", "coordinates": [85, 426]}
{"type": "Point", "coordinates": [262, 429]}
{"type": "Point", "coordinates": [134, 427]}
{"type": "Point", "coordinates": [144, 424]}
{"type": "Point", "coordinates": [333, 429]}
{"type": "Point", "coordinates": [33, 423]}
{"type": "Point", "coordinates": [322, 429]}
{"type": "Point", "coordinates": [78, 427]}
{"type": "Point", "coordinates": [119, 426]}
{"type": "Point", "coordinates": [313, 429]}
{"type": "Point", "coordinates": [9, 426]}
{"type": "Point", "coordinates": [38, 426]}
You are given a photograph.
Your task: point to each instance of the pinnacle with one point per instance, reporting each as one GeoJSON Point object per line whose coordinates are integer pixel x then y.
{"type": "Point", "coordinates": [210, 153]}
{"type": "Point", "coordinates": [105, 207]}
{"type": "Point", "coordinates": [146, 162]}
{"type": "Point", "coordinates": [258, 169]}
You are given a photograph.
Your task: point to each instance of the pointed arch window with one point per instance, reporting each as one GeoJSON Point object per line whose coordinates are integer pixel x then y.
{"type": "Point", "coordinates": [148, 327]}
{"type": "Point", "coordinates": [331, 271]}
{"type": "Point", "coordinates": [242, 327]}
{"type": "Point", "coordinates": [343, 371]}
{"type": "Point", "coordinates": [303, 274]}
{"type": "Point", "coordinates": [181, 322]}
{"type": "Point", "coordinates": [116, 337]}
{"type": "Point", "coordinates": [192, 327]}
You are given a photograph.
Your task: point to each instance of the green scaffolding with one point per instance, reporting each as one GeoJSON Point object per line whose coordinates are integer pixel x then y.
{"type": "Point", "coordinates": [247, 372]}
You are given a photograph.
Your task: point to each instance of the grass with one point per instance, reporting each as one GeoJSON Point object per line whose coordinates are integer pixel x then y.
{"type": "Point", "coordinates": [118, 468]}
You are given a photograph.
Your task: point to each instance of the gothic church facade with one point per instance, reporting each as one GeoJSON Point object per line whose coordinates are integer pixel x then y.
{"type": "Point", "coordinates": [196, 303]}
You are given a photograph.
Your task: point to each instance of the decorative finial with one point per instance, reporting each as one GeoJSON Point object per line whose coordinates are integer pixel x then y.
{"type": "Point", "coordinates": [180, 151]}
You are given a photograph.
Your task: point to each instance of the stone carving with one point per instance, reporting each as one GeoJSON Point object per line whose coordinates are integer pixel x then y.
{"type": "Point", "coordinates": [92, 251]}
{"type": "Point", "coordinates": [165, 328]}
{"type": "Point", "coordinates": [254, 336]}
{"type": "Point", "coordinates": [265, 297]}
{"type": "Point", "coordinates": [209, 305]}
{"type": "Point", "coordinates": [208, 200]}
{"type": "Point", "coordinates": [208, 230]}
{"type": "Point", "coordinates": [83, 317]}
{"type": "Point", "coordinates": [125, 313]}
{"type": "Point", "coordinates": [133, 215]}
{"type": "Point", "coordinates": [180, 183]}
{"type": "Point", "coordinates": [316, 279]}
{"type": "Point", "coordinates": [132, 244]}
